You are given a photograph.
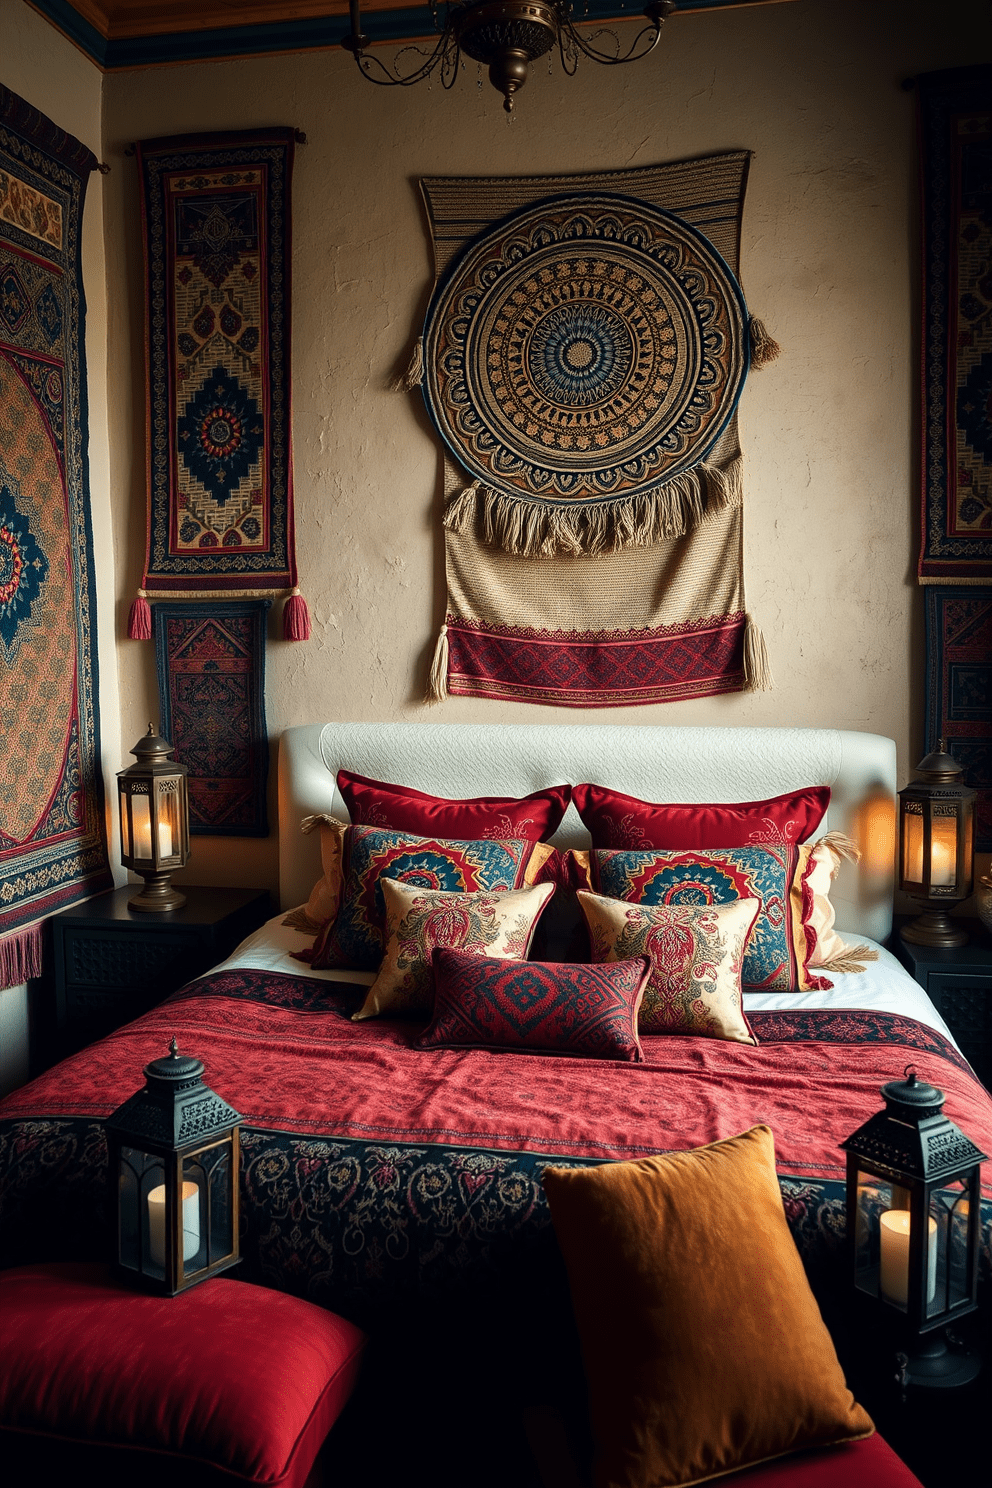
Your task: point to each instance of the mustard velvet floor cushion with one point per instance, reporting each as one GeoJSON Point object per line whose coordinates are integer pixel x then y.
{"type": "Point", "coordinates": [703, 1346]}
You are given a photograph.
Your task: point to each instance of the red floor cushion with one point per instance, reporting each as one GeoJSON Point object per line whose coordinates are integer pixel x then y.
{"type": "Point", "coordinates": [870, 1463]}
{"type": "Point", "coordinates": [227, 1382]}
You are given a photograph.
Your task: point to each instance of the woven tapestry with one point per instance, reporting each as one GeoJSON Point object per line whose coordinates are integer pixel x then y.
{"type": "Point", "coordinates": [211, 684]}
{"type": "Point", "coordinates": [959, 689]}
{"type": "Point", "coordinates": [955, 110]}
{"type": "Point", "coordinates": [582, 359]}
{"type": "Point", "coordinates": [52, 828]}
{"type": "Point", "coordinates": [215, 210]}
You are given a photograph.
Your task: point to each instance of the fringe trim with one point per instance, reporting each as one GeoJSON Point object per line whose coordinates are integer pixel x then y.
{"type": "Point", "coordinates": [320, 819]}
{"type": "Point", "coordinates": [844, 849]}
{"type": "Point", "coordinates": [437, 683]}
{"type": "Point", "coordinates": [531, 529]}
{"type": "Point", "coordinates": [850, 958]}
{"type": "Point", "coordinates": [757, 669]}
{"type": "Point", "coordinates": [139, 620]}
{"type": "Point", "coordinates": [20, 956]}
{"type": "Point", "coordinates": [413, 377]}
{"type": "Point", "coordinates": [764, 348]}
{"type": "Point", "coordinates": [300, 920]}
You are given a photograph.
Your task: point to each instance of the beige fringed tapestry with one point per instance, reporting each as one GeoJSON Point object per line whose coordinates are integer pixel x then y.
{"type": "Point", "coordinates": [582, 359]}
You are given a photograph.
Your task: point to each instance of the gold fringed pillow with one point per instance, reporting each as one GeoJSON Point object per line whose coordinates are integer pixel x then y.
{"type": "Point", "coordinates": [325, 896]}
{"type": "Point", "coordinates": [420, 920]}
{"type": "Point", "coordinates": [703, 1345]}
{"type": "Point", "coordinates": [696, 952]}
{"type": "Point", "coordinates": [831, 952]}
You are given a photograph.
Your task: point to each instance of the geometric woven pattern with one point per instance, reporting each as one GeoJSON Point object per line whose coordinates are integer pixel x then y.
{"type": "Point", "coordinates": [587, 347]}
{"type": "Point", "coordinates": [211, 676]}
{"type": "Point", "coordinates": [956, 149]}
{"type": "Point", "coordinates": [959, 688]}
{"type": "Point", "coordinates": [217, 234]}
{"type": "Point", "coordinates": [561, 1009]}
{"type": "Point", "coordinates": [52, 847]}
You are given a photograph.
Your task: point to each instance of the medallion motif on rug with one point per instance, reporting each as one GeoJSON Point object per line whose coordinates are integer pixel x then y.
{"type": "Point", "coordinates": [52, 830]}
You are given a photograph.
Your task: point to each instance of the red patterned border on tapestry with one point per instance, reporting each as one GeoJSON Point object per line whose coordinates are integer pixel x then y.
{"type": "Point", "coordinates": [612, 669]}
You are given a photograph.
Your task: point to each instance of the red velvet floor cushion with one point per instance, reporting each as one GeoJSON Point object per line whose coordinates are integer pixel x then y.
{"type": "Point", "coordinates": [227, 1382]}
{"type": "Point", "coordinates": [870, 1463]}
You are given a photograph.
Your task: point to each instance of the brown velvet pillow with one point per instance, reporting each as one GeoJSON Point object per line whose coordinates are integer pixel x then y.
{"type": "Point", "coordinates": [703, 1345]}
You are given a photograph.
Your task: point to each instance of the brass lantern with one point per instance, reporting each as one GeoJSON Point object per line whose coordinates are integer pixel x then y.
{"type": "Point", "coordinates": [936, 852]}
{"type": "Point", "coordinates": [913, 1225]}
{"type": "Point", "coordinates": [174, 1156]}
{"type": "Point", "coordinates": [154, 811]}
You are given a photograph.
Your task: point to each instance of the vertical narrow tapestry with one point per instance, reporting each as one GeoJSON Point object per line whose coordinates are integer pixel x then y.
{"type": "Point", "coordinates": [215, 211]}
{"type": "Point", "coordinates": [959, 689]}
{"type": "Point", "coordinates": [582, 359]}
{"type": "Point", "coordinates": [211, 680]}
{"type": "Point", "coordinates": [52, 827]}
{"type": "Point", "coordinates": [955, 113]}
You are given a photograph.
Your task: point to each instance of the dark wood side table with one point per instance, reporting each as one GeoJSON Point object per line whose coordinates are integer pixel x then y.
{"type": "Point", "coordinates": [959, 983]}
{"type": "Point", "coordinates": [111, 963]}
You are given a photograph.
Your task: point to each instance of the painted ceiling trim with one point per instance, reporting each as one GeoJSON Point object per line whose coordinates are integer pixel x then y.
{"type": "Point", "coordinates": [288, 34]}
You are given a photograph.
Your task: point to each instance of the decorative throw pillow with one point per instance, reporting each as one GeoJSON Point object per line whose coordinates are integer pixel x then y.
{"type": "Point", "coordinates": [824, 863]}
{"type": "Point", "coordinates": [325, 896]}
{"type": "Point", "coordinates": [560, 1009]}
{"type": "Point", "coordinates": [696, 953]}
{"type": "Point", "coordinates": [420, 920]}
{"type": "Point", "coordinates": [356, 938]}
{"type": "Point", "coordinates": [783, 939]}
{"type": "Point", "coordinates": [618, 821]}
{"type": "Point", "coordinates": [376, 803]}
{"type": "Point", "coordinates": [703, 1345]}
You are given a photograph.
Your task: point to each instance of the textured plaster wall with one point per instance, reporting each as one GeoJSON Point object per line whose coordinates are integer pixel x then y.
{"type": "Point", "coordinates": [49, 72]}
{"type": "Point", "coordinates": [829, 260]}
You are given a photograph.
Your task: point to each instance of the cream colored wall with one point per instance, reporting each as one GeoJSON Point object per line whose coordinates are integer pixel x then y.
{"type": "Point", "coordinates": [829, 260]}
{"type": "Point", "coordinates": [44, 68]}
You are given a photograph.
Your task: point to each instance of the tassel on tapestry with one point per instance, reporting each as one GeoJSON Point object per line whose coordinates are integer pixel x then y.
{"type": "Point", "coordinates": [216, 216]}
{"type": "Point", "coordinates": [583, 356]}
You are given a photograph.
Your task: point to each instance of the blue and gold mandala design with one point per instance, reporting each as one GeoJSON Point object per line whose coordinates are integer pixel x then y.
{"type": "Point", "coordinates": [220, 434]}
{"type": "Point", "coordinates": [23, 570]}
{"type": "Point", "coordinates": [585, 348]}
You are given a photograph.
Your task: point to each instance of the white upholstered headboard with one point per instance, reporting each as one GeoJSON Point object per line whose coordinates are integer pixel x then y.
{"type": "Point", "coordinates": [654, 763]}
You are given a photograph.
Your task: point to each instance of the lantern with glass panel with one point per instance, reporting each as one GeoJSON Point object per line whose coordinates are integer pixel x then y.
{"type": "Point", "coordinates": [174, 1157]}
{"type": "Point", "coordinates": [936, 855]}
{"type": "Point", "coordinates": [913, 1224]}
{"type": "Point", "coordinates": [154, 815]}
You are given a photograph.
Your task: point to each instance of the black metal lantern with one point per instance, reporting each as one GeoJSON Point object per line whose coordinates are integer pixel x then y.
{"type": "Point", "coordinates": [154, 811]}
{"type": "Point", "coordinates": [936, 847]}
{"type": "Point", "coordinates": [174, 1157]}
{"type": "Point", "coordinates": [913, 1224]}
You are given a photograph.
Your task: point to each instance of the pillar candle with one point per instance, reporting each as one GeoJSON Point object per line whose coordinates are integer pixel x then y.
{"type": "Point", "coordinates": [894, 1280]}
{"type": "Point", "coordinates": [156, 1223]}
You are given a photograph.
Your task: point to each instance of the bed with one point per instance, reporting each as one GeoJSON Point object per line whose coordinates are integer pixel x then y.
{"type": "Point", "coordinates": [386, 1180]}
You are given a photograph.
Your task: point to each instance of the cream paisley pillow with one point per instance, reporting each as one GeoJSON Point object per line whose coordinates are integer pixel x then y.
{"type": "Point", "coordinates": [696, 956]}
{"type": "Point", "coordinates": [419, 920]}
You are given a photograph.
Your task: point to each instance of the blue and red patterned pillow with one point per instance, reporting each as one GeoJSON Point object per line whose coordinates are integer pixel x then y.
{"type": "Point", "coordinates": [554, 1008]}
{"type": "Point", "coordinates": [783, 939]}
{"type": "Point", "coordinates": [355, 936]}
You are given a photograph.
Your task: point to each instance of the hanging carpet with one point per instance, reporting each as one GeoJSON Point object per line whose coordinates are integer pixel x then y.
{"type": "Point", "coordinates": [52, 829]}
{"type": "Point", "coordinates": [582, 359]}
{"type": "Point", "coordinates": [215, 210]}
{"type": "Point", "coordinates": [955, 115]}
{"type": "Point", "coordinates": [959, 688]}
{"type": "Point", "coordinates": [211, 685]}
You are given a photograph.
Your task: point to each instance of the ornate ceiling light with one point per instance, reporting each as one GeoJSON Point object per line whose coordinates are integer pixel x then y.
{"type": "Point", "coordinates": [505, 36]}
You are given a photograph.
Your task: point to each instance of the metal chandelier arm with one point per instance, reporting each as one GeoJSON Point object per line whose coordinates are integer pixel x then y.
{"type": "Point", "coordinates": [357, 41]}
{"type": "Point", "coordinates": [657, 12]}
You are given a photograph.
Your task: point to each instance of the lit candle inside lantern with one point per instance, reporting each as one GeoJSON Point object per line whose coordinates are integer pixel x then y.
{"type": "Point", "coordinates": [143, 839]}
{"type": "Point", "coordinates": [156, 1222]}
{"type": "Point", "coordinates": [944, 851]}
{"type": "Point", "coordinates": [894, 1234]}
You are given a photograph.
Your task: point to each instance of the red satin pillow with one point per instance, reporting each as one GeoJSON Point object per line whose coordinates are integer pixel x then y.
{"type": "Point", "coordinates": [620, 821]}
{"type": "Point", "coordinates": [375, 803]}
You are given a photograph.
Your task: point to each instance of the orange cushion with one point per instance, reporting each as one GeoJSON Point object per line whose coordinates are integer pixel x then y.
{"type": "Point", "coordinates": [703, 1345]}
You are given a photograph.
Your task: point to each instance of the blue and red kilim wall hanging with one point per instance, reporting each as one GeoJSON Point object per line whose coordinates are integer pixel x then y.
{"type": "Point", "coordinates": [52, 828]}
{"type": "Point", "coordinates": [216, 218]}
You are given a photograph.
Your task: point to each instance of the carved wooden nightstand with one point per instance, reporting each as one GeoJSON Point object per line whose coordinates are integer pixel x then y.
{"type": "Point", "coordinates": [959, 983]}
{"type": "Point", "coordinates": [111, 963]}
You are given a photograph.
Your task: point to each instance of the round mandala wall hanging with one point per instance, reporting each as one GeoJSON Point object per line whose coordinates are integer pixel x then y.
{"type": "Point", "coordinates": [581, 358]}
